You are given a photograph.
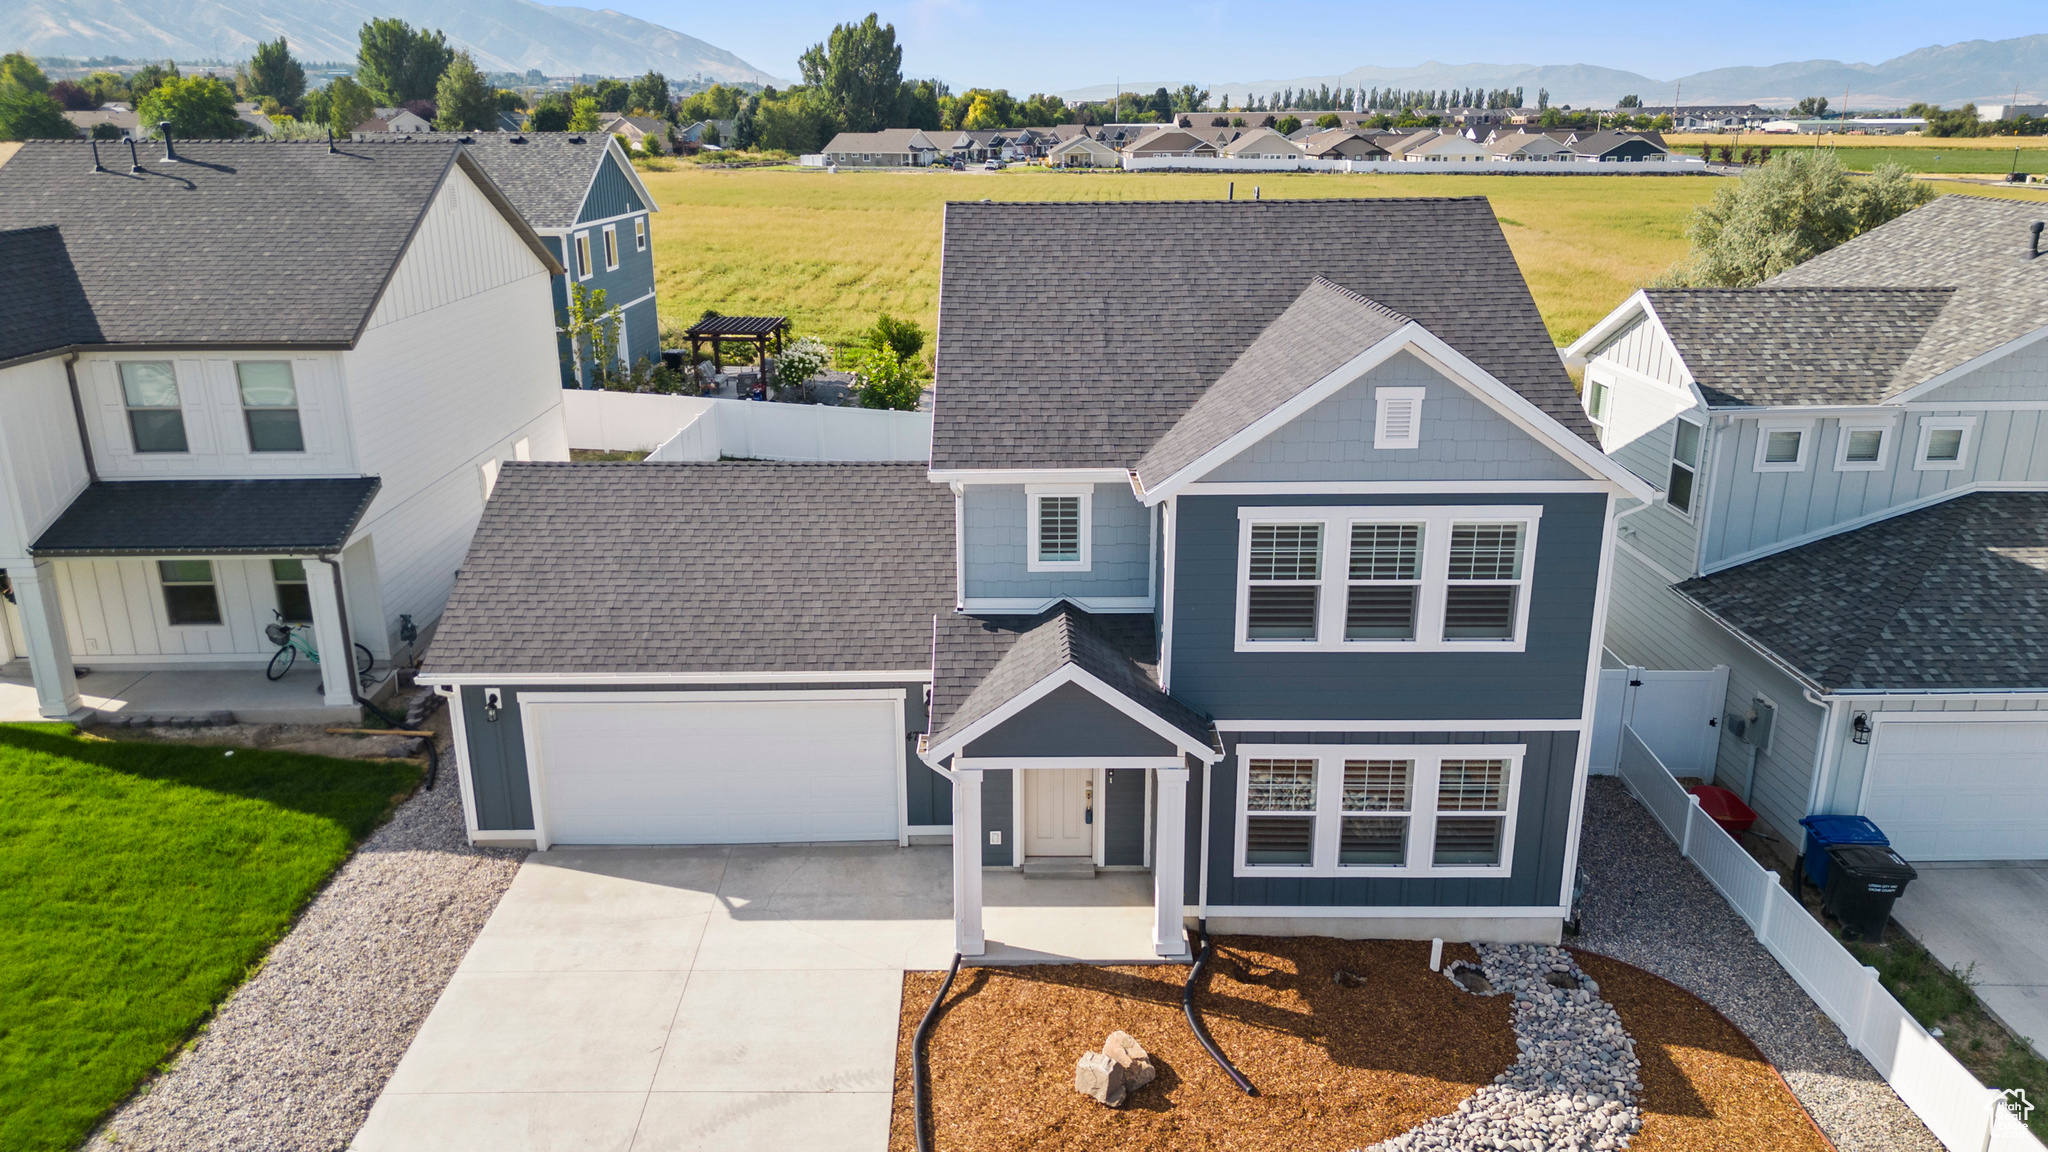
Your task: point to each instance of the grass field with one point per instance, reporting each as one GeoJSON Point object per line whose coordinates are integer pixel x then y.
{"type": "Point", "coordinates": [139, 882]}
{"type": "Point", "coordinates": [1933, 155]}
{"type": "Point", "coordinates": [832, 251]}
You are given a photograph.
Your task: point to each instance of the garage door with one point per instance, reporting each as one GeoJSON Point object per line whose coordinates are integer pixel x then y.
{"type": "Point", "coordinates": [788, 770]}
{"type": "Point", "coordinates": [1975, 790]}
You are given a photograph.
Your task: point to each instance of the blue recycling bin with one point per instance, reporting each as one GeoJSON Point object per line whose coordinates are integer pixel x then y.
{"type": "Point", "coordinates": [1825, 832]}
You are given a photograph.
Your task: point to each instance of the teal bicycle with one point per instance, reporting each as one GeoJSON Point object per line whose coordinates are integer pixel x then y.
{"type": "Point", "coordinates": [292, 639]}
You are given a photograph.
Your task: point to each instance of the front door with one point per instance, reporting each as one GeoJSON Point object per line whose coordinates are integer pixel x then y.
{"type": "Point", "coordinates": [1056, 812]}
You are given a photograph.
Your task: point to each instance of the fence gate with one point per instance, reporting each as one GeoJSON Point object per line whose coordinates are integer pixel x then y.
{"type": "Point", "coordinates": [1676, 713]}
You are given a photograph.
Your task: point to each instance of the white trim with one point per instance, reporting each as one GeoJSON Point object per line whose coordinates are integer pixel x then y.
{"type": "Point", "coordinates": [465, 777]}
{"type": "Point", "coordinates": [1152, 553]}
{"type": "Point", "coordinates": [1419, 727]}
{"type": "Point", "coordinates": [1969, 366]}
{"type": "Point", "coordinates": [1032, 605]}
{"type": "Point", "coordinates": [928, 830]}
{"type": "Point", "coordinates": [1575, 353]}
{"type": "Point", "coordinates": [1928, 426]}
{"type": "Point", "coordinates": [582, 265]}
{"type": "Point", "coordinates": [1885, 426]}
{"type": "Point", "coordinates": [1395, 487]}
{"type": "Point", "coordinates": [617, 150]}
{"type": "Point", "coordinates": [1034, 497]}
{"type": "Point", "coordinates": [1868, 519]}
{"type": "Point", "coordinates": [1015, 476]}
{"type": "Point", "coordinates": [959, 549]}
{"type": "Point", "coordinates": [1689, 513]}
{"type": "Point", "coordinates": [1980, 406]}
{"type": "Point", "coordinates": [1016, 818]}
{"type": "Point", "coordinates": [611, 247]}
{"type": "Point", "coordinates": [1169, 534]}
{"type": "Point", "coordinates": [1069, 674]}
{"type": "Point", "coordinates": [640, 232]}
{"type": "Point", "coordinates": [1764, 429]}
{"type": "Point", "coordinates": [1363, 911]}
{"type": "Point", "coordinates": [1669, 576]}
{"type": "Point", "coordinates": [1050, 763]}
{"type": "Point", "coordinates": [632, 303]}
{"type": "Point", "coordinates": [1686, 392]}
{"type": "Point", "coordinates": [1422, 812]}
{"type": "Point", "coordinates": [908, 676]}
{"type": "Point", "coordinates": [902, 742]}
{"type": "Point", "coordinates": [1384, 400]}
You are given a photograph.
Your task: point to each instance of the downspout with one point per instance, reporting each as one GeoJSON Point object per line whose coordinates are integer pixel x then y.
{"type": "Point", "coordinates": [92, 473]}
{"type": "Point", "coordinates": [348, 661]}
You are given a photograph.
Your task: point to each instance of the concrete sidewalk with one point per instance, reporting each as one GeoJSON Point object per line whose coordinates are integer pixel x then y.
{"type": "Point", "coordinates": [676, 998]}
{"type": "Point", "coordinates": [1989, 920]}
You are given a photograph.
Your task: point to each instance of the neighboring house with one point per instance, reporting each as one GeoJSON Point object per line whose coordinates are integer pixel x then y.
{"type": "Point", "coordinates": [696, 133]}
{"type": "Point", "coordinates": [1306, 624]}
{"type": "Point", "coordinates": [1263, 144]}
{"type": "Point", "coordinates": [634, 128]}
{"type": "Point", "coordinates": [1854, 521]}
{"type": "Point", "coordinates": [394, 120]}
{"type": "Point", "coordinates": [193, 440]}
{"type": "Point", "coordinates": [889, 148]}
{"type": "Point", "coordinates": [1174, 142]}
{"type": "Point", "coordinates": [1623, 147]}
{"type": "Point", "coordinates": [252, 115]}
{"type": "Point", "coordinates": [510, 121]}
{"type": "Point", "coordinates": [1342, 144]}
{"type": "Point", "coordinates": [584, 197]}
{"type": "Point", "coordinates": [120, 116]}
{"type": "Point", "coordinates": [1432, 147]}
{"type": "Point", "coordinates": [1527, 146]}
{"type": "Point", "coordinates": [1082, 152]}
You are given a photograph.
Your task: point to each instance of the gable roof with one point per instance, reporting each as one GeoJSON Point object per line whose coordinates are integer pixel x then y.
{"type": "Point", "coordinates": [1601, 143]}
{"type": "Point", "coordinates": [240, 242]}
{"type": "Point", "coordinates": [1949, 597]}
{"type": "Point", "coordinates": [1127, 336]}
{"type": "Point", "coordinates": [1501, 144]}
{"type": "Point", "coordinates": [889, 140]}
{"type": "Point", "coordinates": [1262, 138]}
{"type": "Point", "coordinates": [1170, 139]}
{"type": "Point", "coordinates": [547, 175]}
{"type": "Point", "coordinates": [1748, 347]}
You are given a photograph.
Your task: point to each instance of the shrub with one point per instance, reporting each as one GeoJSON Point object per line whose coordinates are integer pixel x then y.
{"type": "Point", "coordinates": [800, 361]}
{"type": "Point", "coordinates": [884, 380]}
{"type": "Point", "coordinates": [1786, 212]}
{"type": "Point", "coordinates": [1287, 126]}
{"type": "Point", "coordinates": [904, 336]}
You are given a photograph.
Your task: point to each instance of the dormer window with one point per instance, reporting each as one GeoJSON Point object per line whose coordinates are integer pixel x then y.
{"type": "Point", "coordinates": [1060, 527]}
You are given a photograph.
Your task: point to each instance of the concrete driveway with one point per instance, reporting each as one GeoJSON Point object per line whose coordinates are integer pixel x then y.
{"type": "Point", "coordinates": [676, 998]}
{"type": "Point", "coordinates": [1990, 916]}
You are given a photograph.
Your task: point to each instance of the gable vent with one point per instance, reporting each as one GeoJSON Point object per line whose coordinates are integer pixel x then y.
{"type": "Point", "coordinates": [1398, 422]}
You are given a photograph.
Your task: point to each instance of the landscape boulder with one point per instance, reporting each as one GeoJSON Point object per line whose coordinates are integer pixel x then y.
{"type": "Point", "coordinates": [1100, 1078]}
{"type": "Point", "coordinates": [1132, 1058]}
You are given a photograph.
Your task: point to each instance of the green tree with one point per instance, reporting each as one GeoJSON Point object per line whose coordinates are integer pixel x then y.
{"type": "Point", "coordinates": [883, 379]}
{"type": "Point", "coordinates": [583, 116]}
{"type": "Point", "coordinates": [197, 108]}
{"type": "Point", "coordinates": [1329, 120]}
{"type": "Point", "coordinates": [1287, 126]}
{"type": "Point", "coordinates": [26, 114]}
{"type": "Point", "coordinates": [903, 337]}
{"type": "Point", "coordinates": [348, 104]}
{"type": "Point", "coordinates": [107, 86]}
{"type": "Point", "coordinates": [650, 94]}
{"type": "Point", "coordinates": [1040, 111]}
{"type": "Point", "coordinates": [1812, 107]}
{"type": "Point", "coordinates": [862, 73]}
{"type": "Point", "coordinates": [18, 71]}
{"type": "Point", "coordinates": [612, 95]}
{"type": "Point", "coordinates": [801, 120]}
{"type": "Point", "coordinates": [398, 63]}
{"type": "Point", "coordinates": [919, 106]}
{"type": "Point", "coordinates": [1786, 212]}
{"type": "Point", "coordinates": [510, 101]}
{"type": "Point", "coordinates": [745, 133]}
{"type": "Point", "coordinates": [551, 114]}
{"type": "Point", "coordinates": [717, 102]}
{"type": "Point", "coordinates": [273, 73]}
{"type": "Point", "coordinates": [466, 103]}
{"type": "Point", "coordinates": [981, 116]}
{"type": "Point", "coordinates": [1629, 102]}
{"type": "Point", "coordinates": [148, 77]}
{"type": "Point", "coordinates": [593, 332]}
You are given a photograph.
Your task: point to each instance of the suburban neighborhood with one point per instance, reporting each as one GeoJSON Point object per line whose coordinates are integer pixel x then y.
{"type": "Point", "coordinates": [620, 608]}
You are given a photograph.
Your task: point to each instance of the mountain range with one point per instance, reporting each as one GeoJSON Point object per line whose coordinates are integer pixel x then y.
{"type": "Point", "coordinates": [503, 35]}
{"type": "Point", "coordinates": [1985, 71]}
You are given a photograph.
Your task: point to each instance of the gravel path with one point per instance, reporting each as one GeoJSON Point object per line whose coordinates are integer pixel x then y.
{"type": "Point", "coordinates": [297, 1055]}
{"type": "Point", "coordinates": [1648, 906]}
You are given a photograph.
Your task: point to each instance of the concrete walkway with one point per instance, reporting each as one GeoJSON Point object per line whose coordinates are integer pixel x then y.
{"type": "Point", "coordinates": [1988, 917]}
{"type": "Point", "coordinates": [676, 998]}
{"type": "Point", "coordinates": [118, 692]}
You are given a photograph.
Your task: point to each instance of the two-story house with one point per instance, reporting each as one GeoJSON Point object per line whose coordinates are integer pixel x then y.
{"type": "Point", "coordinates": [247, 381]}
{"type": "Point", "coordinates": [1853, 460]}
{"type": "Point", "coordinates": [1298, 609]}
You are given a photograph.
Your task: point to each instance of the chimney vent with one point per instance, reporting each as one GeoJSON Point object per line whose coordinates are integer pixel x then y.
{"type": "Point", "coordinates": [2034, 241]}
{"type": "Point", "coordinates": [96, 165]}
{"type": "Point", "coordinates": [330, 141]}
{"type": "Point", "coordinates": [134, 161]}
{"type": "Point", "coordinates": [170, 149]}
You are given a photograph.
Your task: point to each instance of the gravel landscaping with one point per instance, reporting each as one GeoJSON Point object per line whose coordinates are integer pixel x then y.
{"type": "Point", "coordinates": [294, 1059]}
{"type": "Point", "coordinates": [1648, 906]}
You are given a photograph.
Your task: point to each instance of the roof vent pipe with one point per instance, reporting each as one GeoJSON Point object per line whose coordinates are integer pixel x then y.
{"type": "Point", "coordinates": [330, 140]}
{"type": "Point", "coordinates": [170, 149]}
{"type": "Point", "coordinates": [2034, 241]}
{"type": "Point", "coordinates": [134, 161]}
{"type": "Point", "coordinates": [96, 165]}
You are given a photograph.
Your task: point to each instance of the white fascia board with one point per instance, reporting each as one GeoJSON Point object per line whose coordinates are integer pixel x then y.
{"type": "Point", "coordinates": [1032, 606]}
{"type": "Point", "coordinates": [1969, 366]}
{"type": "Point", "coordinates": [1069, 674]}
{"type": "Point", "coordinates": [1421, 726]}
{"type": "Point", "coordinates": [906, 676]}
{"type": "Point", "coordinates": [1013, 476]}
{"type": "Point", "coordinates": [1575, 353]}
{"type": "Point", "coordinates": [617, 148]}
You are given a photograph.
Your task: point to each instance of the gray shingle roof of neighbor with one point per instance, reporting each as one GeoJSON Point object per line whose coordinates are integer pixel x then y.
{"type": "Point", "coordinates": [1776, 345]}
{"type": "Point", "coordinates": [544, 174]}
{"type": "Point", "coordinates": [1126, 333]}
{"type": "Point", "coordinates": [1974, 244]}
{"type": "Point", "coordinates": [738, 566]}
{"type": "Point", "coordinates": [240, 242]}
{"type": "Point", "coordinates": [1949, 597]}
{"type": "Point", "coordinates": [887, 141]}
{"type": "Point", "coordinates": [209, 517]}
{"type": "Point", "coordinates": [985, 663]}
{"type": "Point", "coordinates": [42, 303]}
{"type": "Point", "coordinates": [1324, 328]}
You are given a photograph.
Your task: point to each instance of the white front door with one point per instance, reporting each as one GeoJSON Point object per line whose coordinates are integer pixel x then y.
{"type": "Point", "coordinates": [1056, 807]}
{"type": "Point", "coordinates": [1960, 790]}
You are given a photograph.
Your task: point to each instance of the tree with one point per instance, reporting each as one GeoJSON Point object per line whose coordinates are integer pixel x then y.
{"type": "Point", "coordinates": [649, 94]}
{"type": "Point", "coordinates": [1189, 98]}
{"type": "Point", "coordinates": [1287, 125]}
{"type": "Point", "coordinates": [18, 71]}
{"type": "Point", "coordinates": [464, 102]}
{"type": "Point", "coordinates": [883, 379]}
{"type": "Point", "coordinates": [1542, 97]}
{"type": "Point", "coordinates": [272, 72]}
{"type": "Point", "coordinates": [800, 120]}
{"type": "Point", "coordinates": [73, 97]}
{"type": "Point", "coordinates": [611, 95]}
{"type": "Point", "coordinates": [510, 101]}
{"type": "Point", "coordinates": [398, 63]}
{"type": "Point", "coordinates": [593, 332]}
{"type": "Point", "coordinates": [1329, 120]}
{"type": "Point", "coordinates": [551, 114]}
{"type": "Point", "coordinates": [902, 337]}
{"type": "Point", "coordinates": [197, 108]}
{"type": "Point", "coordinates": [981, 115]}
{"type": "Point", "coordinates": [717, 102]}
{"type": "Point", "coordinates": [1785, 212]}
{"type": "Point", "coordinates": [1629, 102]}
{"type": "Point", "coordinates": [861, 71]}
{"type": "Point", "coordinates": [744, 133]}
{"type": "Point", "coordinates": [583, 116]}
{"type": "Point", "coordinates": [29, 115]}
{"type": "Point", "coordinates": [148, 77]}
{"type": "Point", "coordinates": [1813, 107]}
{"type": "Point", "coordinates": [348, 104]}
{"type": "Point", "coordinates": [919, 105]}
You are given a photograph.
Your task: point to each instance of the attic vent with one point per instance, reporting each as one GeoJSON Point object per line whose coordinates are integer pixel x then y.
{"type": "Point", "coordinates": [1398, 423]}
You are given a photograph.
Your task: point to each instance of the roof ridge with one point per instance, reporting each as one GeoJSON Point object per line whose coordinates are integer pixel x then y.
{"type": "Point", "coordinates": [1321, 281]}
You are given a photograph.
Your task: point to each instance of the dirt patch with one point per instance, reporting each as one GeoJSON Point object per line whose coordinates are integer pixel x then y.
{"type": "Point", "coordinates": [1337, 1067]}
{"type": "Point", "coordinates": [1706, 1088]}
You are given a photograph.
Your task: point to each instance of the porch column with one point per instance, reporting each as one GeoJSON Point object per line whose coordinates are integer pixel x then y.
{"type": "Point", "coordinates": [337, 656]}
{"type": "Point", "coordinates": [967, 936]}
{"type": "Point", "coordinates": [1169, 861]}
{"type": "Point", "coordinates": [49, 649]}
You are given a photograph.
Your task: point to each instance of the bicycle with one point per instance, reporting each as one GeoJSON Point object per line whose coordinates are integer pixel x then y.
{"type": "Point", "coordinates": [292, 639]}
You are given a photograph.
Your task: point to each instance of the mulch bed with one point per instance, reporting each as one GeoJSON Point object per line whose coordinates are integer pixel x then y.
{"type": "Point", "coordinates": [1337, 1068]}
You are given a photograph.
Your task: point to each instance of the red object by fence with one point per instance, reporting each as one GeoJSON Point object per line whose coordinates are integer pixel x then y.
{"type": "Point", "coordinates": [1725, 807]}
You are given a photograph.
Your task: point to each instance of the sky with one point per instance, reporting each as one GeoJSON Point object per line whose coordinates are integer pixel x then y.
{"type": "Point", "coordinates": [1053, 45]}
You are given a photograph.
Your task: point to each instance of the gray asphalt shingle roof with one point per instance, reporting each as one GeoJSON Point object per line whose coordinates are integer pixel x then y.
{"type": "Point", "coordinates": [209, 517]}
{"type": "Point", "coordinates": [1778, 346]}
{"type": "Point", "coordinates": [544, 174]}
{"type": "Point", "coordinates": [1125, 333]}
{"type": "Point", "coordinates": [1954, 596]}
{"type": "Point", "coordinates": [717, 567]}
{"type": "Point", "coordinates": [42, 304]}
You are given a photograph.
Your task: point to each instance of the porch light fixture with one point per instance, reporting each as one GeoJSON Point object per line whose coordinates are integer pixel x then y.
{"type": "Point", "coordinates": [1859, 728]}
{"type": "Point", "coordinates": [493, 701]}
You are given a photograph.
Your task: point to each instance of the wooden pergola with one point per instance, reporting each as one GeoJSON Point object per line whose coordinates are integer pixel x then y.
{"type": "Point", "coordinates": [756, 330]}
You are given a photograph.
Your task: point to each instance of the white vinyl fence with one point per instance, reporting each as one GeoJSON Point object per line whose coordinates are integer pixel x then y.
{"type": "Point", "coordinates": [702, 428]}
{"type": "Point", "coordinates": [1676, 713]}
{"type": "Point", "coordinates": [1961, 1112]}
{"type": "Point", "coordinates": [1670, 165]}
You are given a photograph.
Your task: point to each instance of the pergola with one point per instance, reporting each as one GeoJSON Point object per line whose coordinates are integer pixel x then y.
{"type": "Point", "coordinates": [757, 330]}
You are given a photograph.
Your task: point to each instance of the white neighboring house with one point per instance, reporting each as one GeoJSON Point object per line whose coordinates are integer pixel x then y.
{"type": "Point", "coordinates": [1263, 144]}
{"type": "Point", "coordinates": [395, 120]}
{"type": "Point", "coordinates": [258, 378]}
{"type": "Point", "coordinates": [1432, 147]}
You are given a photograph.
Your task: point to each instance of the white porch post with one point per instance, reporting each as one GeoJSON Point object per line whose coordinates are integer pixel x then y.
{"type": "Point", "coordinates": [967, 935]}
{"type": "Point", "coordinates": [49, 649]}
{"type": "Point", "coordinates": [337, 656]}
{"type": "Point", "coordinates": [1169, 862]}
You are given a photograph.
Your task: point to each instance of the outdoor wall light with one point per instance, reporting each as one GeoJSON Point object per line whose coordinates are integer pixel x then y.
{"type": "Point", "coordinates": [1859, 728]}
{"type": "Point", "coordinates": [494, 699]}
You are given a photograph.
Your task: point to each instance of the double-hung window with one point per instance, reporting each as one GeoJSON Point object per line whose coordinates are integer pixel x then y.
{"type": "Point", "coordinates": [270, 406]}
{"type": "Point", "coordinates": [582, 244]}
{"type": "Point", "coordinates": [611, 247]}
{"type": "Point", "coordinates": [294, 603]}
{"type": "Point", "coordinates": [189, 593]}
{"type": "Point", "coordinates": [156, 419]}
{"type": "Point", "coordinates": [1385, 582]}
{"type": "Point", "coordinates": [1058, 536]}
{"type": "Point", "coordinates": [1377, 809]}
{"type": "Point", "coordinates": [1485, 578]}
{"type": "Point", "coordinates": [1685, 465]}
{"type": "Point", "coordinates": [639, 233]}
{"type": "Point", "coordinates": [1284, 582]}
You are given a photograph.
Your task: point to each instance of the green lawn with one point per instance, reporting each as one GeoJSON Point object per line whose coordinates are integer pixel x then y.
{"type": "Point", "coordinates": [139, 883]}
{"type": "Point", "coordinates": [1930, 159]}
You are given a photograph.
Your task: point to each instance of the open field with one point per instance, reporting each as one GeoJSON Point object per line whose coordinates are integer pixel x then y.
{"type": "Point", "coordinates": [1688, 141]}
{"type": "Point", "coordinates": [831, 251]}
{"type": "Point", "coordinates": [1932, 155]}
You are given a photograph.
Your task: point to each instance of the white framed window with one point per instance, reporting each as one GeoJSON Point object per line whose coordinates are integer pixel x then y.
{"type": "Point", "coordinates": [156, 416]}
{"type": "Point", "coordinates": [1679, 489]}
{"type": "Point", "coordinates": [1397, 419]}
{"type": "Point", "coordinates": [639, 233]}
{"type": "Point", "coordinates": [1060, 527]}
{"type": "Point", "coordinates": [1863, 445]}
{"type": "Point", "coordinates": [1781, 445]}
{"type": "Point", "coordinates": [190, 597]}
{"type": "Point", "coordinates": [611, 247]}
{"type": "Point", "coordinates": [1377, 809]}
{"type": "Point", "coordinates": [1599, 397]}
{"type": "Point", "coordinates": [1431, 578]}
{"type": "Point", "coordinates": [270, 406]}
{"type": "Point", "coordinates": [1944, 443]}
{"type": "Point", "coordinates": [582, 245]}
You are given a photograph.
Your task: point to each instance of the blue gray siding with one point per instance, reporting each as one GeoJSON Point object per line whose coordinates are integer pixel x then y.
{"type": "Point", "coordinates": [1542, 825]}
{"type": "Point", "coordinates": [1546, 680]}
{"type": "Point", "coordinates": [631, 281]}
{"type": "Point", "coordinates": [611, 194]}
{"type": "Point", "coordinates": [1123, 815]}
{"type": "Point", "coordinates": [995, 540]}
{"type": "Point", "coordinates": [1070, 721]}
{"type": "Point", "coordinates": [998, 814]}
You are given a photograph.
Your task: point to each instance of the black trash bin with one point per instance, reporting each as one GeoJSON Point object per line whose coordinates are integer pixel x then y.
{"type": "Point", "coordinates": [1863, 881]}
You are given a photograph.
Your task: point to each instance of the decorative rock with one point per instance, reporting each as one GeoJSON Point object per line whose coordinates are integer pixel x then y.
{"type": "Point", "coordinates": [1100, 1078]}
{"type": "Point", "coordinates": [1132, 1058]}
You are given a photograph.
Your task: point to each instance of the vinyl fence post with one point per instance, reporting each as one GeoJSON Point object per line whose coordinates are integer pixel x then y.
{"type": "Point", "coordinates": [1692, 807]}
{"type": "Point", "coordinates": [1858, 1040]}
{"type": "Point", "coordinates": [1763, 914]}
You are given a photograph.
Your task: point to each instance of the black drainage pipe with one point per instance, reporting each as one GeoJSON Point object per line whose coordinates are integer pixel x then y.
{"type": "Point", "coordinates": [1187, 1005]}
{"type": "Point", "coordinates": [920, 1096]}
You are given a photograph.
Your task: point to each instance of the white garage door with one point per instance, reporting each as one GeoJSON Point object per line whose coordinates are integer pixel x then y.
{"type": "Point", "coordinates": [1961, 790]}
{"type": "Point", "coordinates": [787, 770]}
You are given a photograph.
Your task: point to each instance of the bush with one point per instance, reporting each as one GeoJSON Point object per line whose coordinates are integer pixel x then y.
{"type": "Point", "coordinates": [883, 380]}
{"type": "Point", "coordinates": [1287, 126]}
{"type": "Point", "coordinates": [1786, 212]}
{"type": "Point", "coordinates": [800, 361]}
{"type": "Point", "coordinates": [904, 336]}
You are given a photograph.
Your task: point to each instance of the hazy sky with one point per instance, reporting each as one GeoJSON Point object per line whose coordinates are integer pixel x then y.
{"type": "Point", "coordinates": [1059, 44]}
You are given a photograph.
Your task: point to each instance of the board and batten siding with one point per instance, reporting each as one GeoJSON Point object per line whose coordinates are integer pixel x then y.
{"type": "Point", "coordinates": [42, 468]}
{"type": "Point", "coordinates": [463, 247]}
{"type": "Point", "coordinates": [216, 431]}
{"type": "Point", "coordinates": [1544, 681]}
{"type": "Point", "coordinates": [1643, 347]}
{"type": "Point", "coordinates": [1642, 420]}
{"type": "Point", "coordinates": [114, 614]}
{"type": "Point", "coordinates": [1122, 808]}
{"type": "Point", "coordinates": [2020, 375]}
{"type": "Point", "coordinates": [996, 542]}
{"type": "Point", "coordinates": [1069, 721]}
{"type": "Point", "coordinates": [1543, 821]}
{"type": "Point", "coordinates": [611, 192]}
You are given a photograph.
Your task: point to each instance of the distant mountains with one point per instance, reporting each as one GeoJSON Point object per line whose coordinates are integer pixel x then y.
{"type": "Point", "coordinates": [503, 35]}
{"type": "Point", "coordinates": [1985, 71]}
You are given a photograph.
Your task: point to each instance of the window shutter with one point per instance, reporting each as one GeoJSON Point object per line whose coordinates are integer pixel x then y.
{"type": "Point", "coordinates": [1398, 422]}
